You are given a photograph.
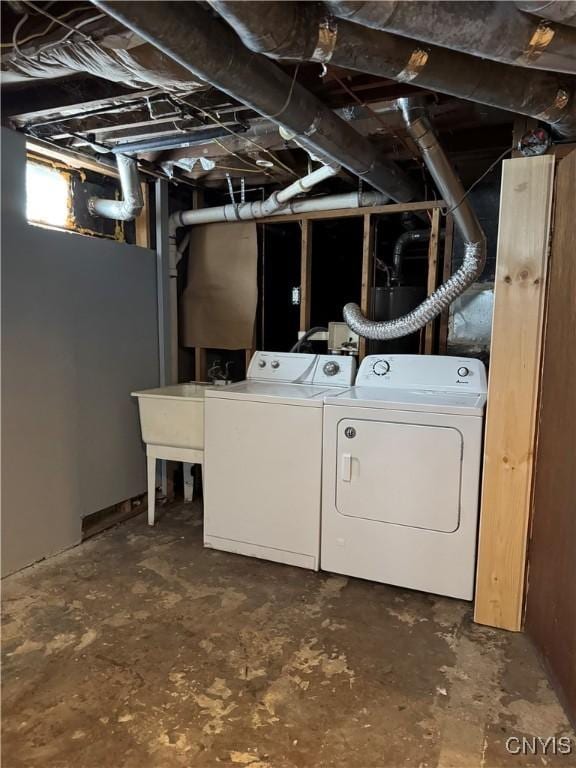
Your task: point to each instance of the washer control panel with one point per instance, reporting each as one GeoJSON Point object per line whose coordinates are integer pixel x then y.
{"type": "Point", "coordinates": [296, 368]}
{"type": "Point", "coordinates": [435, 372]}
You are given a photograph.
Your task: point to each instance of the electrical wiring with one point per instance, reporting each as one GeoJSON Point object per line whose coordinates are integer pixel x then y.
{"type": "Point", "coordinates": [245, 138]}
{"type": "Point", "coordinates": [68, 34]}
{"type": "Point", "coordinates": [239, 157]}
{"type": "Point", "coordinates": [44, 31]}
{"type": "Point", "coordinates": [446, 211]}
{"type": "Point", "coordinates": [54, 18]}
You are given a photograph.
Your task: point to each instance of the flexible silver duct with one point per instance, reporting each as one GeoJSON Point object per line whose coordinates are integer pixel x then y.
{"type": "Point", "coordinates": [414, 113]}
{"type": "Point", "coordinates": [132, 201]}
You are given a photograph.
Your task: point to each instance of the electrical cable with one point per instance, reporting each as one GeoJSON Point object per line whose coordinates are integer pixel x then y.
{"type": "Point", "coordinates": [245, 138]}
{"type": "Point", "coordinates": [445, 211]}
{"type": "Point", "coordinates": [290, 92]}
{"type": "Point", "coordinates": [54, 18]}
{"type": "Point", "coordinates": [44, 31]}
{"type": "Point", "coordinates": [68, 34]}
{"type": "Point", "coordinates": [306, 336]}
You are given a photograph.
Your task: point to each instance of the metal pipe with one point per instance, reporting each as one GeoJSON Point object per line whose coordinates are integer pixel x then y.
{"type": "Point", "coordinates": [560, 11]}
{"type": "Point", "coordinates": [189, 35]}
{"type": "Point", "coordinates": [132, 201]}
{"type": "Point", "coordinates": [415, 117]}
{"type": "Point", "coordinates": [304, 32]}
{"type": "Point", "coordinates": [492, 30]}
{"type": "Point", "coordinates": [412, 236]}
{"type": "Point", "coordinates": [182, 139]}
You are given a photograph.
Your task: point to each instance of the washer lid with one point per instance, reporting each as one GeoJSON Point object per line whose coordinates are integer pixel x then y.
{"type": "Point", "coordinates": [270, 392]}
{"type": "Point", "coordinates": [430, 401]}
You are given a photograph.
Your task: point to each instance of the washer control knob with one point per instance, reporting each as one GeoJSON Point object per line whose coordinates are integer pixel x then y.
{"type": "Point", "coordinates": [262, 364]}
{"type": "Point", "coordinates": [331, 368]}
{"type": "Point", "coordinates": [381, 367]}
{"type": "Point", "coordinates": [275, 364]}
{"type": "Point", "coordinates": [463, 371]}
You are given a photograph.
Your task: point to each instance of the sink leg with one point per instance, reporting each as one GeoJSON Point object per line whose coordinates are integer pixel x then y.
{"type": "Point", "coordinates": [151, 462]}
{"type": "Point", "coordinates": [188, 472]}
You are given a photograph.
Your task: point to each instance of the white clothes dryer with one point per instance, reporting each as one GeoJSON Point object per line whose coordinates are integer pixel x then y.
{"type": "Point", "coordinates": [402, 453]}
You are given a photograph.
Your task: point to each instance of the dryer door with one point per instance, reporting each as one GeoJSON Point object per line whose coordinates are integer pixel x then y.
{"type": "Point", "coordinates": [404, 474]}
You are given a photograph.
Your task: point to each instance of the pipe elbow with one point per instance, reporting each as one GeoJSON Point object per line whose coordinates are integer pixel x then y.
{"type": "Point", "coordinates": [132, 202]}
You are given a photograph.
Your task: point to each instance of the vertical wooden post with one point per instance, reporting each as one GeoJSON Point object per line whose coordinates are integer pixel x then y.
{"type": "Point", "coordinates": [305, 273]}
{"type": "Point", "coordinates": [142, 223]}
{"type": "Point", "coordinates": [200, 364]}
{"type": "Point", "coordinates": [367, 276]}
{"type": "Point", "coordinates": [432, 275]}
{"type": "Point", "coordinates": [513, 389]}
{"type": "Point", "coordinates": [446, 272]}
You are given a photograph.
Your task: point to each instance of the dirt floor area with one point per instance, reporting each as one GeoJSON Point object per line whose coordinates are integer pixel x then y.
{"type": "Point", "coordinates": [140, 649]}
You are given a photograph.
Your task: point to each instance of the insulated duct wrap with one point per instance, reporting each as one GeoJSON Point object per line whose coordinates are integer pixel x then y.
{"type": "Point", "coordinates": [210, 50]}
{"type": "Point", "coordinates": [414, 114]}
{"type": "Point", "coordinates": [304, 32]}
{"type": "Point", "coordinates": [132, 201]}
{"type": "Point", "coordinates": [484, 28]}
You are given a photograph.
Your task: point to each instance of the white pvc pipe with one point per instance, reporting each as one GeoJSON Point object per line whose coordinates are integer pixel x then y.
{"type": "Point", "coordinates": [255, 210]}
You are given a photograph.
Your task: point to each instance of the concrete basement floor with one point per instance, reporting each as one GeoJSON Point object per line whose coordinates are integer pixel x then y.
{"type": "Point", "coordinates": [140, 649]}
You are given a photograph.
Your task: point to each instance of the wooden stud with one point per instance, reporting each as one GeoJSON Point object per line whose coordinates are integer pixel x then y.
{"type": "Point", "coordinates": [305, 274]}
{"type": "Point", "coordinates": [367, 276]}
{"type": "Point", "coordinates": [142, 223]}
{"type": "Point", "coordinates": [446, 272]}
{"type": "Point", "coordinates": [432, 275]}
{"type": "Point", "coordinates": [200, 361]}
{"type": "Point", "coordinates": [519, 302]}
{"type": "Point", "coordinates": [345, 213]}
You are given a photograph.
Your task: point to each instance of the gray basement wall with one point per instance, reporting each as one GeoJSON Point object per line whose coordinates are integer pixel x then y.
{"type": "Point", "coordinates": [79, 333]}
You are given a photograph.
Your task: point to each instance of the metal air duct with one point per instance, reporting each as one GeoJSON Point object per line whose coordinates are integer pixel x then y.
{"type": "Point", "coordinates": [492, 30]}
{"type": "Point", "coordinates": [132, 201]}
{"type": "Point", "coordinates": [560, 11]}
{"type": "Point", "coordinates": [304, 32]}
{"type": "Point", "coordinates": [414, 113]}
{"type": "Point", "coordinates": [212, 51]}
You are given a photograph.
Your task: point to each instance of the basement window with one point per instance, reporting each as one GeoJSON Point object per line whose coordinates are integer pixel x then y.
{"type": "Point", "coordinates": [47, 195]}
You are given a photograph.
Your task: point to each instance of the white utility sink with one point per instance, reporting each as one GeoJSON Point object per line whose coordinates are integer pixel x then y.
{"type": "Point", "coordinates": [173, 415]}
{"type": "Point", "coordinates": [172, 422]}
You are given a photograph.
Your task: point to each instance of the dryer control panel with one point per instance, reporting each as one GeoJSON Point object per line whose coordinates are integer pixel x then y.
{"type": "Point", "coordinates": [431, 372]}
{"type": "Point", "coordinates": [296, 368]}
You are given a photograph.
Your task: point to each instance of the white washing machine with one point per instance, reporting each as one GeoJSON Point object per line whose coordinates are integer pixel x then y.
{"type": "Point", "coordinates": [402, 455]}
{"type": "Point", "coordinates": [263, 457]}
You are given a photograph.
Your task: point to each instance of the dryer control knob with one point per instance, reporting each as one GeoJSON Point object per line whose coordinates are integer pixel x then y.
{"type": "Point", "coordinates": [275, 364]}
{"type": "Point", "coordinates": [262, 364]}
{"type": "Point", "coordinates": [331, 369]}
{"type": "Point", "coordinates": [381, 367]}
{"type": "Point", "coordinates": [463, 371]}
